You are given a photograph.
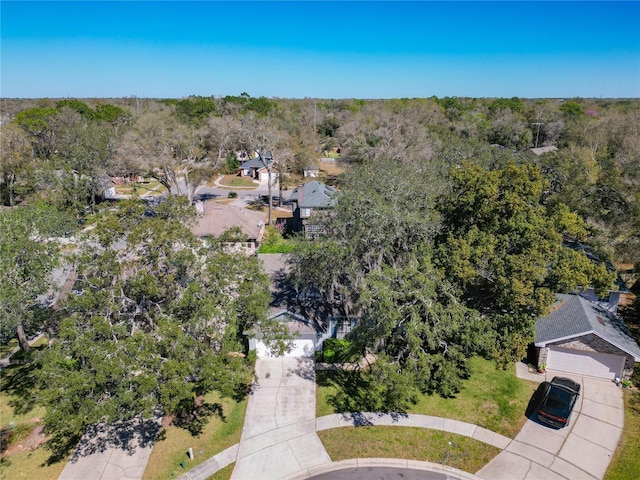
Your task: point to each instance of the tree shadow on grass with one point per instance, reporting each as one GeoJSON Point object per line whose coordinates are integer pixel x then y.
{"type": "Point", "coordinates": [20, 381]}
{"type": "Point", "coordinates": [356, 392]}
{"type": "Point", "coordinates": [195, 421]}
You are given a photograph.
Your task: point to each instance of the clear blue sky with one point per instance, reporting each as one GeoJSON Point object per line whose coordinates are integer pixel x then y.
{"type": "Point", "coordinates": [320, 49]}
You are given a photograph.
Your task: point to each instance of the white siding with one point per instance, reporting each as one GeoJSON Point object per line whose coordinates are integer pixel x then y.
{"type": "Point", "coordinates": [594, 364]}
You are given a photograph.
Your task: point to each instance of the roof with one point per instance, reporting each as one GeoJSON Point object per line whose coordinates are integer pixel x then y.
{"type": "Point", "coordinates": [314, 194]}
{"type": "Point", "coordinates": [296, 323]}
{"type": "Point", "coordinates": [573, 316]}
{"type": "Point", "coordinates": [257, 163]}
{"type": "Point", "coordinates": [220, 217]}
{"type": "Point", "coordinates": [540, 150]}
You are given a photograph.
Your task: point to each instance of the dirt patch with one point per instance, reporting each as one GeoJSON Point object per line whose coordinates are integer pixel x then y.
{"type": "Point", "coordinates": [331, 168]}
{"type": "Point", "coordinates": [34, 439]}
{"type": "Point", "coordinates": [489, 407]}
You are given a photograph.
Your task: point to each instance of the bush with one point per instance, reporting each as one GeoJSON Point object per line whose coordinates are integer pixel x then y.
{"type": "Point", "coordinates": [338, 350]}
{"type": "Point", "coordinates": [233, 194]}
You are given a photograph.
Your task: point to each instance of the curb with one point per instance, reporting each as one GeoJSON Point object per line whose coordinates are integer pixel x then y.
{"type": "Point", "coordinates": [382, 462]}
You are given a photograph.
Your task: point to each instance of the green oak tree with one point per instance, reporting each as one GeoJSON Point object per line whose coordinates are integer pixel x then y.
{"type": "Point", "coordinates": [28, 254]}
{"type": "Point", "coordinates": [504, 248]}
{"type": "Point", "coordinates": [157, 321]}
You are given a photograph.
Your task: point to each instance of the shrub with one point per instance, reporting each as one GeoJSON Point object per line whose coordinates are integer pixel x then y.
{"type": "Point", "coordinates": [233, 194]}
{"type": "Point", "coordinates": [338, 350]}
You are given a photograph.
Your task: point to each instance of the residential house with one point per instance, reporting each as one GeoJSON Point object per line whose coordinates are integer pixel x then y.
{"type": "Point", "coordinates": [306, 336]}
{"type": "Point", "coordinates": [540, 150]}
{"type": "Point", "coordinates": [307, 199]}
{"type": "Point", "coordinates": [215, 218]}
{"type": "Point", "coordinates": [579, 336]}
{"type": "Point", "coordinates": [257, 168]}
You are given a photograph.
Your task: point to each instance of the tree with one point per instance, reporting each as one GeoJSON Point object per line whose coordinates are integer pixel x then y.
{"type": "Point", "coordinates": [35, 121]}
{"type": "Point", "coordinates": [504, 248]}
{"type": "Point", "coordinates": [174, 154]}
{"type": "Point", "coordinates": [156, 325]}
{"type": "Point", "coordinates": [27, 257]}
{"type": "Point", "coordinates": [375, 264]}
{"type": "Point", "coordinates": [257, 134]}
{"type": "Point", "coordinates": [84, 150]}
{"type": "Point", "coordinates": [15, 152]}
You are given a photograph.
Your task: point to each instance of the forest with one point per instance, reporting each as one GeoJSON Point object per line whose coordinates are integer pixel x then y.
{"type": "Point", "coordinates": [448, 238]}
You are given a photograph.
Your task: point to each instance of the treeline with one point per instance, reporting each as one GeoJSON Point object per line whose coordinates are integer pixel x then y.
{"type": "Point", "coordinates": [446, 241]}
{"type": "Point", "coordinates": [69, 148]}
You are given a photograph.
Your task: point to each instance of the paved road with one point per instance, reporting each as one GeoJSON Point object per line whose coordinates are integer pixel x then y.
{"type": "Point", "coordinates": [383, 473]}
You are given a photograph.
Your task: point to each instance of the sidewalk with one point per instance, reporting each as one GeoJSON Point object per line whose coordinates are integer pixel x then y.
{"type": "Point", "coordinates": [583, 450]}
{"type": "Point", "coordinates": [271, 455]}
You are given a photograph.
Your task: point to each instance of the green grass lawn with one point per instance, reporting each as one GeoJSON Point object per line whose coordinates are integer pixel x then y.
{"type": "Point", "coordinates": [494, 399]}
{"type": "Point", "coordinates": [232, 181]}
{"type": "Point", "coordinates": [19, 414]}
{"type": "Point", "coordinates": [30, 466]}
{"type": "Point", "coordinates": [218, 434]}
{"type": "Point", "coordinates": [408, 443]}
{"type": "Point", "coordinates": [18, 395]}
{"type": "Point", "coordinates": [625, 463]}
{"type": "Point", "coordinates": [7, 348]}
{"type": "Point", "coordinates": [141, 187]}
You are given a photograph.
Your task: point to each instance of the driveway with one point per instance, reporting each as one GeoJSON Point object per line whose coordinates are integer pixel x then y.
{"type": "Point", "coordinates": [117, 451]}
{"type": "Point", "coordinates": [581, 450]}
{"type": "Point", "coordinates": [279, 434]}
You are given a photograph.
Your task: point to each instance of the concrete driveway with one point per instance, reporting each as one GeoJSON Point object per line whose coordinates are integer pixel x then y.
{"type": "Point", "coordinates": [581, 450]}
{"type": "Point", "coordinates": [279, 434]}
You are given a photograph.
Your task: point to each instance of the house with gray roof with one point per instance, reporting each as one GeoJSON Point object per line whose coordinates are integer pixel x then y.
{"type": "Point", "coordinates": [579, 336]}
{"type": "Point", "coordinates": [256, 167]}
{"type": "Point", "coordinates": [307, 199]}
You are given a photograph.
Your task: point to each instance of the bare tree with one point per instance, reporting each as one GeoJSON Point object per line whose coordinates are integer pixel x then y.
{"type": "Point", "coordinates": [260, 136]}
{"type": "Point", "coordinates": [172, 153]}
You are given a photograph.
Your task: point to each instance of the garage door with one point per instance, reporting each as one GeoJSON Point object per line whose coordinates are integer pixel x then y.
{"type": "Point", "coordinates": [301, 348]}
{"type": "Point", "coordinates": [593, 364]}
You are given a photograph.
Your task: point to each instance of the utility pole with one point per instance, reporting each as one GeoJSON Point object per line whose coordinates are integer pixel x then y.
{"type": "Point", "coordinates": [538, 123]}
{"type": "Point", "coordinates": [267, 161]}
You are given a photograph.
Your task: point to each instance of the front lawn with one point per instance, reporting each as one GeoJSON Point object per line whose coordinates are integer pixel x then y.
{"type": "Point", "coordinates": [22, 455]}
{"type": "Point", "coordinates": [408, 443]}
{"type": "Point", "coordinates": [491, 398]}
{"type": "Point", "coordinates": [625, 463]}
{"type": "Point", "coordinates": [234, 181]}
{"type": "Point", "coordinates": [152, 187]}
{"type": "Point", "coordinates": [171, 448]}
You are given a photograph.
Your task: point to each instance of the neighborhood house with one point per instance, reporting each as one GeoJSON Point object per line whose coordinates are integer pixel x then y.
{"type": "Point", "coordinates": [580, 336]}
{"type": "Point", "coordinates": [306, 199]}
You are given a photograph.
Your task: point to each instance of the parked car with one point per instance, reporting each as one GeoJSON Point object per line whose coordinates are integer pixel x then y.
{"type": "Point", "coordinates": [558, 400]}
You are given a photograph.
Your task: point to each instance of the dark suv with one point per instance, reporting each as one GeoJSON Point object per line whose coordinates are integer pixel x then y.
{"type": "Point", "coordinates": [558, 399]}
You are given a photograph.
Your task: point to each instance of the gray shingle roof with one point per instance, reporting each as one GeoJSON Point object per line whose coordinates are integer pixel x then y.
{"type": "Point", "coordinates": [257, 163]}
{"type": "Point", "coordinates": [314, 194]}
{"type": "Point", "coordinates": [573, 316]}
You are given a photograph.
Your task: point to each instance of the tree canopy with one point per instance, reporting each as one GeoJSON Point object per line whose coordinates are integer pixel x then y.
{"type": "Point", "coordinates": [157, 320]}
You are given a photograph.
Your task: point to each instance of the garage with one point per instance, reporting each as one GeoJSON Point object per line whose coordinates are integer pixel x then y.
{"type": "Point", "coordinates": [594, 364]}
{"type": "Point", "coordinates": [306, 336]}
{"type": "Point", "coordinates": [580, 336]}
{"type": "Point", "coordinates": [300, 348]}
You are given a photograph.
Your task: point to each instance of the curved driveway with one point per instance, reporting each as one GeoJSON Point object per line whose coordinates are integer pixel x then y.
{"type": "Point", "coordinates": [279, 439]}
{"type": "Point", "coordinates": [581, 450]}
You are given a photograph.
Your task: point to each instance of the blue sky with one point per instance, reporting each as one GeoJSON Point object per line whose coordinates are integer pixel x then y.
{"type": "Point", "coordinates": [320, 49]}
